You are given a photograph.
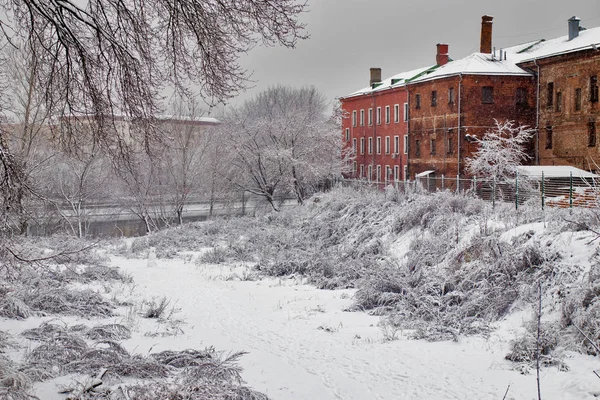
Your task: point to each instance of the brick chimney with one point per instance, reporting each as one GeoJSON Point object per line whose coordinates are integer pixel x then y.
{"type": "Point", "coordinates": [441, 57]}
{"type": "Point", "coordinates": [486, 34]}
{"type": "Point", "coordinates": [573, 27]}
{"type": "Point", "coordinates": [375, 76]}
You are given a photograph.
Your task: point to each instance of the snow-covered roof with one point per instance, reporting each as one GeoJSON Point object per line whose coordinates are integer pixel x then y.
{"type": "Point", "coordinates": [474, 64]}
{"type": "Point", "coordinates": [391, 82]}
{"type": "Point", "coordinates": [554, 171]}
{"type": "Point", "coordinates": [424, 173]}
{"type": "Point", "coordinates": [587, 39]}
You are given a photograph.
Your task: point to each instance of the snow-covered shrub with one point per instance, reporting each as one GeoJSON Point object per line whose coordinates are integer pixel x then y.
{"type": "Point", "coordinates": [156, 309]}
{"type": "Point", "coordinates": [524, 350]}
{"type": "Point", "coordinates": [216, 255]}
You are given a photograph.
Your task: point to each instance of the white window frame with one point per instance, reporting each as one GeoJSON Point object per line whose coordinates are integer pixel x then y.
{"type": "Point", "coordinates": [370, 117]}
{"type": "Point", "coordinates": [354, 164]}
{"type": "Point", "coordinates": [354, 118]}
{"type": "Point", "coordinates": [405, 144]}
{"type": "Point", "coordinates": [378, 116]}
{"type": "Point", "coordinates": [362, 145]}
{"type": "Point", "coordinates": [354, 146]}
{"type": "Point", "coordinates": [370, 172]}
{"type": "Point", "coordinates": [347, 134]}
{"type": "Point", "coordinates": [405, 112]}
{"type": "Point", "coordinates": [396, 144]}
{"type": "Point", "coordinates": [362, 117]}
{"type": "Point", "coordinates": [396, 173]}
{"type": "Point", "coordinates": [370, 146]}
{"type": "Point", "coordinates": [378, 173]}
{"type": "Point", "coordinates": [387, 145]}
{"type": "Point", "coordinates": [378, 145]}
{"type": "Point", "coordinates": [396, 113]}
{"type": "Point", "coordinates": [405, 172]}
{"type": "Point", "coordinates": [388, 173]}
{"type": "Point", "coordinates": [362, 171]}
{"type": "Point", "coordinates": [388, 116]}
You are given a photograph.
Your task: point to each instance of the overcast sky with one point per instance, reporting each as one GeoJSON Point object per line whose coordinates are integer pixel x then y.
{"type": "Point", "coordinates": [347, 37]}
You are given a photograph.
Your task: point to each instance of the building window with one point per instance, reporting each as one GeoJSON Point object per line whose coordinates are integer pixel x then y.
{"type": "Point", "coordinates": [354, 118]}
{"type": "Point", "coordinates": [378, 116]}
{"type": "Point", "coordinates": [487, 95]}
{"type": "Point", "coordinates": [370, 146]}
{"type": "Point", "coordinates": [432, 146]}
{"type": "Point", "coordinates": [521, 96]}
{"type": "Point", "coordinates": [387, 114]}
{"type": "Point", "coordinates": [405, 112]}
{"type": "Point", "coordinates": [405, 144]}
{"type": "Point", "coordinates": [354, 168]}
{"type": "Point", "coordinates": [417, 148]}
{"type": "Point", "coordinates": [388, 173]}
{"type": "Point", "coordinates": [558, 101]}
{"type": "Point", "coordinates": [396, 113]}
{"type": "Point", "coordinates": [449, 148]}
{"type": "Point", "coordinates": [405, 172]}
{"type": "Point", "coordinates": [362, 145]}
{"type": "Point", "coordinates": [396, 172]}
{"type": "Point", "coordinates": [396, 144]}
{"type": "Point", "coordinates": [378, 176]}
{"type": "Point", "coordinates": [362, 117]}
{"type": "Point", "coordinates": [354, 146]}
{"type": "Point", "coordinates": [370, 172]}
{"type": "Point", "coordinates": [417, 101]}
{"type": "Point", "coordinates": [550, 95]}
{"type": "Point", "coordinates": [370, 117]}
{"type": "Point", "coordinates": [593, 88]}
{"type": "Point", "coordinates": [387, 145]}
{"type": "Point", "coordinates": [433, 98]}
{"type": "Point", "coordinates": [548, 136]}
{"type": "Point", "coordinates": [378, 146]}
{"type": "Point", "coordinates": [347, 134]}
{"type": "Point", "coordinates": [451, 95]}
{"type": "Point", "coordinates": [578, 99]}
{"type": "Point", "coordinates": [592, 134]}
{"type": "Point", "coordinates": [362, 171]}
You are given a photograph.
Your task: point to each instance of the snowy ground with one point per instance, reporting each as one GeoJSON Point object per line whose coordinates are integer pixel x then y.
{"type": "Point", "coordinates": [303, 345]}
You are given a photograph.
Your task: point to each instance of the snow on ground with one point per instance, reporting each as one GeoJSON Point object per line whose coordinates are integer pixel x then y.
{"type": "Point", "coordinates": [303, 345]}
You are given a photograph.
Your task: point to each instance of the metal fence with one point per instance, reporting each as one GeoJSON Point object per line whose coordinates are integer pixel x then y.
{"type": "Point", "coordinates": [563, 192]}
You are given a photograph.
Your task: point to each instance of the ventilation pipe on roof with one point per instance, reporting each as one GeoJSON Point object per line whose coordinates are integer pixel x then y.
{"type": "Point", "coordinates": [486, 34]}
{"type": "Point", "coordinates": [375, 76]}
{"type": "Point", "coordinates": [441, 58]}
{"type": "Point", "coordinates": [573, 27]}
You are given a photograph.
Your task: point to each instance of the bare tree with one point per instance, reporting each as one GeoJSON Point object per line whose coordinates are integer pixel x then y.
{"type": "Point", "coordinates": [283, 143]}
{"type": "Point", "coordinates": [187, 144]}
{"type": "Point", "coordinates": [103, 58]}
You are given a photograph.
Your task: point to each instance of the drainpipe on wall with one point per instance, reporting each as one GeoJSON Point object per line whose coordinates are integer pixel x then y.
{"type": "Point", "coordinates": [407, 135]}
{"type": "Point", "coordinates": [458, 131]}
{"type": "Point", "coordinates": [537, 114]}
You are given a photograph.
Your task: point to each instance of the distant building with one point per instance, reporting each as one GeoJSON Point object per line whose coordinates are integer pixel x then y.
{"type": "Point", "coordinates": [550, 86]}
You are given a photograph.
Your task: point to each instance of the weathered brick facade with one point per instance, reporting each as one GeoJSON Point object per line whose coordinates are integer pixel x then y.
{"type": "Point", "coordinates": [569, 109]}
{"type": "Point", "coordinates": [435, 142]}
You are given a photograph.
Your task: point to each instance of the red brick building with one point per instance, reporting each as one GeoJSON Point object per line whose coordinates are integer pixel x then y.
{"type": "Point", "coordinates": [551, 86]}
{"type": "Point", "coordinates": [567, 70]}
{"type": "Point", "coordinates": [376, 127]}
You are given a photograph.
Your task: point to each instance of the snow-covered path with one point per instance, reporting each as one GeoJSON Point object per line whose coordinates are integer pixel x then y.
{"type": "Point", "coordinates": [303, 346]}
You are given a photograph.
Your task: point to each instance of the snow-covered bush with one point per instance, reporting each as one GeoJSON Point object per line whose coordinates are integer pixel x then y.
{"type": "Point", "coordinates": [524, 350]}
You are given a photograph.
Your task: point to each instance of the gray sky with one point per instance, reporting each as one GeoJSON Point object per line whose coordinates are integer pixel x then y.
{"type": "Point", "coordinates": [347, 37]}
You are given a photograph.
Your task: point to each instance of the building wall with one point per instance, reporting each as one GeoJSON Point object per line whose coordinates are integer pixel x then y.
{"type": "Point", "coordinates": [568, 127]}
{"type": "Point", "coordinates": [434, 133]}
{"type": "Point", "coordinates": [392, 157]}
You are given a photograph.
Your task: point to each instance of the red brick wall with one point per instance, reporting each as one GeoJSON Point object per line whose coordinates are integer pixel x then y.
{"type": "Point", "coordinates": [391, 97]}
{"type": "Point", "coordinates": [570, 134]}
{"type": "Point", "coordinates": [439, 123]}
